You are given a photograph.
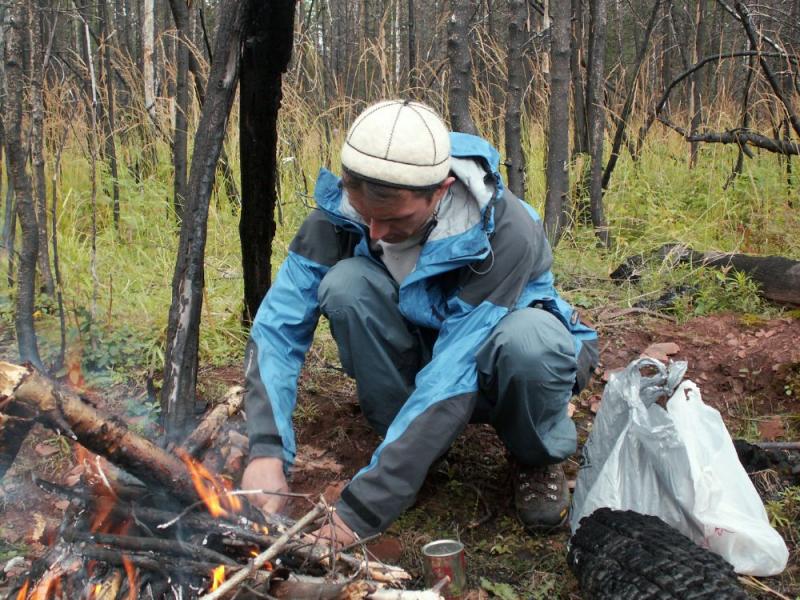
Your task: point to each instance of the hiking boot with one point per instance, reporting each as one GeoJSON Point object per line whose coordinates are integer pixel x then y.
{"type": "Point", "coordinates": [541, 496]}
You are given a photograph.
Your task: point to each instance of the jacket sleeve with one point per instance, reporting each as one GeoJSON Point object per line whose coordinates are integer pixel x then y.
{"type": "Point", "coordinates": [446, 388]}
{"type": "Point", "coordinates": [282, 332]}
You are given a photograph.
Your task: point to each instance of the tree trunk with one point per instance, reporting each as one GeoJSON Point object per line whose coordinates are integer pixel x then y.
{"type": "Point", "coordinates": [555, 215]}
{"type": "Point", "coordinates": [697, 81]}
{"type": "Point", "coordinates": [10, 223]}
{"type": "Point", "coordinates": [109, 120]}
{"type": "Point", "coordinates": [627, 107]}
{"type": "Point", "coordinates": [515, 157]}
{"type": "Point", "coordinates": [597, 120]}
{"type": "Point", "coordinates": [180, 370]}
{"type": "Point", "coordinates": [148, 48]}
{"type": "Point", "coordinates": [180, 140]}
{"type": "Point", "coordinates": [265, 58]}
{"type": "Point", "coordinates": [412, 46]}
{"type": "Point", "coordinates": [15, 76]}
{"type": "Point", "coordinates": [458, 56]}
{"type": "Point", "coordinates": [37, 44]}
{"type": "Point", "coordinates": [580, 132]}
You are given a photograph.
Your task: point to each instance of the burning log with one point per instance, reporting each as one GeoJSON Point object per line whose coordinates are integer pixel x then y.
{"type": "Point", "coordinates": [124, 541]}
{"type": "Point", "coordinates": [25, 393]}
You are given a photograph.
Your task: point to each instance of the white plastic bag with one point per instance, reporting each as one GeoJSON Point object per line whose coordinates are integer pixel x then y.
{"type": "Point", "coordinates": [678, 464]}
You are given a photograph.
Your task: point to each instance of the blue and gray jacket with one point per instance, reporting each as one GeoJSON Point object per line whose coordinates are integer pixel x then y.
{"type": "Point", "coordinates": [487, 256]}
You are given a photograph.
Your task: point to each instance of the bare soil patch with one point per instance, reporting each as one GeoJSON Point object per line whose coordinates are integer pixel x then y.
{"type": "Point", "coordinates": [749, 370]}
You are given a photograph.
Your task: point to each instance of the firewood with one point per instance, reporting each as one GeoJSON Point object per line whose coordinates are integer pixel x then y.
{"type": "Point", "coordinates": [36, 396]}
{"type": "Point", "coordinates": [148, 544]}
{"type": "Point", "coordinates": [205, 433]}
{"type": "Point", "coordinates": [265, 556]}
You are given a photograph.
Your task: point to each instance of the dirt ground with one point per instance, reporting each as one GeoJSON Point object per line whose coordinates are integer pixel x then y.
{"type": "Point", "coordinates": [748, 369]}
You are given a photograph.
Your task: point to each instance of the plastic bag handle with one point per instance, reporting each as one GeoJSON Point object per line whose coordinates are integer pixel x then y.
{"type": "Point", "coordinates": [662, 383]}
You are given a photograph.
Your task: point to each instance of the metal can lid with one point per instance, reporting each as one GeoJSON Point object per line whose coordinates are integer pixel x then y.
{"type": "Point", "coordinates": [442, 548]}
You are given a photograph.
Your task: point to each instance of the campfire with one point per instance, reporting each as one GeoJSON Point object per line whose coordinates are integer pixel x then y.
{"type": "Point", "coordinates": [148, 523]}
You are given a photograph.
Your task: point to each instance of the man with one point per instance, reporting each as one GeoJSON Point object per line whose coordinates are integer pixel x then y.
{"type": "Point", "coordinates": [436, 282]}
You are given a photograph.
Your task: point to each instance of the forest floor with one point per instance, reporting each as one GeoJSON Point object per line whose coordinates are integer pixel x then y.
{"type": "Point", "coordinates": [746, 367]}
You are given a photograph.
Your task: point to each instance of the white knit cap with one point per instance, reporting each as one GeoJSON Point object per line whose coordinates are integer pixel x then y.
{"type": "Point", "coordinates": [398, 143]}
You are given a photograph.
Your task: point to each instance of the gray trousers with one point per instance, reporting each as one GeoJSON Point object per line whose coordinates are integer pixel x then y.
{"type": "Point", "coordinates": [526, 367]}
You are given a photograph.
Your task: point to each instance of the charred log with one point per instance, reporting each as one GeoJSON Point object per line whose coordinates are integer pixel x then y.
{"type": "Point", "coordinates": [778, 277]}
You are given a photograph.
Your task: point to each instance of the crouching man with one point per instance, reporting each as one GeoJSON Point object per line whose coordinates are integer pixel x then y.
{"type": "Point", "coordinates": [436, 282]}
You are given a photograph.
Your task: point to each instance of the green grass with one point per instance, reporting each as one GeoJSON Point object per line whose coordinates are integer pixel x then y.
{"type": "Point", "coordinates": [650, 203]}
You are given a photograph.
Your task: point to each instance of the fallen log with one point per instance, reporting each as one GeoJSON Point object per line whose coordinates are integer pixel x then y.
{"type": "Point", "coordinates": [205, 433]}
{"type": "Point", "coordinates": [778, 277]}
{"type": "Point", "coordinates": [26, 393]}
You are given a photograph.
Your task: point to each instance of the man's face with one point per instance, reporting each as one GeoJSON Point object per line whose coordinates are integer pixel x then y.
{"type": "Point", "coordinates": [396, 219]}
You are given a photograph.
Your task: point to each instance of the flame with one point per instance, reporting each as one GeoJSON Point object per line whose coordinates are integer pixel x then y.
{"type": "Point", "coordinates": [23, 591]}
{"type": "Point", "coordinates": [213, 490]}
{"type": "Point", "coordinates": [133, 583]}
{"type": "Point", "coordinates": [98, 587]}
{"type": "Point", "coordinates": [267, 565]}
{"type": "Point", "coordinates": [49, 581]}
{"type": "Point", "coordinates": [217, 577]}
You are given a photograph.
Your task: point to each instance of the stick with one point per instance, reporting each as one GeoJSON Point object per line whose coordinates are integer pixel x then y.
{"type": "Point", "coordinates": [268, 554]}
{"type": "Point", "coordinates": [209, 427]}
{"type": "Point", "coordinates": [166, 547]}
{"type": "Point", "coordinates": [778, 445]}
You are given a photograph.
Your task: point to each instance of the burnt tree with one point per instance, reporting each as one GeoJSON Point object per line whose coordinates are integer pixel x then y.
{"type": "Point", "coordinates": [458, 56]}
{"type": "Point", "coordinates": [15, 51]}
{"type": "Point", "coordinates": [109, 119]}
{"type": "Point", "coordinates": [555, 216]}
{"type": "Point", "coordinates": [597, 117]}
{"type": "Point", "coordinates": [180, 142]}
{"type": "Point", "coordinates": [580, 132]}
{"type": "Point", "coordinates": [515, 157]}
{"type": "Point", "coordinates": [183, 331]}
{"type": "Point", "coordinates": [37, 67]}
{"type": "Point", "coordinates": [267, 50]}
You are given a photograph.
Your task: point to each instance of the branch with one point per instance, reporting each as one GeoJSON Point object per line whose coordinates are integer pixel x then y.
{"type": "Point", "coordinates": [773, 82]}
{"type": "Point", "coordinates": [738, 17]}
{"type": "Point", "coordinates": [738, 137]}
{"type": "Point", "coordinates": [268, 554]}
{"type": "Point", "coordinates": [656, 112]}
{"type": "Point", "coordinates": [741, 137]}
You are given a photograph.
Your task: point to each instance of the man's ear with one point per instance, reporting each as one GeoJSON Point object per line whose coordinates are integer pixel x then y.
{"type": "Point", "coordinates": [443, 187]}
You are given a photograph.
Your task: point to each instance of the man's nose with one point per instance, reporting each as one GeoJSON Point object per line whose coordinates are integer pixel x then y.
{"type": "Point", "coordinates": [377, 230]}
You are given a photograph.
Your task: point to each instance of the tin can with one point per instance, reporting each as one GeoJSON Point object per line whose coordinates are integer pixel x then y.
{"type": "Point", "coordinates": [445, 558]}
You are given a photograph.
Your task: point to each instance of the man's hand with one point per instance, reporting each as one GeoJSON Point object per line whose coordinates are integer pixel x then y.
{"type": "Point", "coordinates": [266, 474]}
{"type": "Point", "coordinates": [336, 534]}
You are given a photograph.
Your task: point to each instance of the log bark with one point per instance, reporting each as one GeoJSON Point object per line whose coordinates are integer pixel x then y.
{"type": "Point", "coordinates": [777, 276]}
{"type": "Point", "coordinates": [183, 332]}
{"type": "Point", "coordinates": [205, 433]}
{"type": "Point", "coordinates": [27, 394]}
